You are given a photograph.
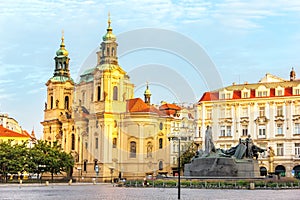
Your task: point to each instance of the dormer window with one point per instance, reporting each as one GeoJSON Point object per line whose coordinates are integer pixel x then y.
{"type": "Point", "coordinates": [262, 93]}
{"type": "Point", "coordinates": [279, 91]}
{"type": "Point", "coordinates": [228, 96]}
{"type": "Point", "coordinates": [225, 94]}
{"type": "Point", "coordinates": [296, 90]}
{"type": "Point", "coordinates": [245, 95]}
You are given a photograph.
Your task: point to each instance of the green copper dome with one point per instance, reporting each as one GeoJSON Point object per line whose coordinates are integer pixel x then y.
{"type": "Point", "coordinates": [109, 34]}
{"type": "Point", "coordinates": [62, 51]}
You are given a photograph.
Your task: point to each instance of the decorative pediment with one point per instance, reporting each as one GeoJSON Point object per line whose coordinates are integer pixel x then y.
{"type": "Point", "coordinates": [261, 120]}
{"type": "Point", "coordinates": [296, 117]}
{"type": "Point", "coordinates": [225, 121]}
{"type": "Point", "coordinates": [279, 118]}
{"type": "Point", "coordinates": [244, 120]}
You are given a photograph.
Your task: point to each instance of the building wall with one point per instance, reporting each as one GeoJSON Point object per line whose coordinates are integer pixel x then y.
{"type": "Point", "coordinates": [274, 126]}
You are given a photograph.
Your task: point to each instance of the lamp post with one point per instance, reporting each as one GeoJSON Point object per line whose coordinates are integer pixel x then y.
{"type": "Point", "coordinates": [179, 168]}
{"type": "Point", "coordinates": [173, 138]}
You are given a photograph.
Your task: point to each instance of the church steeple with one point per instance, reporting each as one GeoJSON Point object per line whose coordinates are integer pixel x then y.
{"type": "Point", "coordinates": [62, 60]}
{"type": "Point", "coordinates": [147, 94]}
{"type": "Point", "coordinates": [108, 49]}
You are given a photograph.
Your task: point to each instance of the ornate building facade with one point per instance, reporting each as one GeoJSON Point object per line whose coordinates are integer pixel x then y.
{"type": "Point", "coordinates": [268, 111]}
{"type": "Point", "coordinates": [108, 131]}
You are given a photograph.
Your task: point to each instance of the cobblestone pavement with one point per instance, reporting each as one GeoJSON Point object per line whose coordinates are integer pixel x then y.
{"type": "Point", "coordinates": [106, 191]}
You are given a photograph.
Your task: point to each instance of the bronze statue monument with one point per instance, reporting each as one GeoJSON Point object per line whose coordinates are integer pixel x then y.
{"type": "Point", "coordinates": [237, 161]}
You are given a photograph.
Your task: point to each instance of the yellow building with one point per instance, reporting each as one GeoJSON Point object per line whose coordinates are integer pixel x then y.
{"type": "Point", "coordinates": [7, 135]}
{"type": "Point", "coordinates": [108, 131]}
{"type": "Point", "coordinates": [269, 111]}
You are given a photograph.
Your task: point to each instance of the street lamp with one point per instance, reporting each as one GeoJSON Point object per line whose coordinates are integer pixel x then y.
{"type": "Point", "coordinates": [174, 138]}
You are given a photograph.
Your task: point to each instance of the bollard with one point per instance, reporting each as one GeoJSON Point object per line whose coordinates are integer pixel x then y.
{"type": "Point", "coordinates": [94, 181]}
{"type": "Point", "coordinates": [252, 186]}
{"type": "Point", "coordinates": [47, 183]}
{"type": "Point", "coordinates": [21, 182]}
{"type": "Point", "coordinates": [70, 182]}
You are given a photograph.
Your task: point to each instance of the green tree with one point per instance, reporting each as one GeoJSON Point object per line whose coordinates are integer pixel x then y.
{"type": "Point", "coordinates": [187, 155]}
{"type": "Point", "coordinates": [13, 158]}
{"type": "Point", "coordinates": [52, 159]}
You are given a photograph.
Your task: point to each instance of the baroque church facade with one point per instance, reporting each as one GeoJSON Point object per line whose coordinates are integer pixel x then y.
{"type": "Point", "coordinates": [108, 131]}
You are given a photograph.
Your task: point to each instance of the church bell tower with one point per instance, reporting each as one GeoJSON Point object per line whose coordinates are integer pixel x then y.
{"type": "Point", "coordinates": [58, 106]}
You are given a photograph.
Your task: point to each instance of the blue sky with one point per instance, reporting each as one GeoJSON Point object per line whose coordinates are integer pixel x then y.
{"type": "Point", "coordinates": [244, 39]}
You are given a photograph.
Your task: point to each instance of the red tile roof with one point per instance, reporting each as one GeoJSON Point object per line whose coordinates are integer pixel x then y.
{"type": "Point", "coordinates": [138, 105]}
{"type": "Point", "coordinates": [168, 106]}
{"type": "Point", "coordinates": [237, 94]}
{"type": "Point", "coordinates": [4, 132]}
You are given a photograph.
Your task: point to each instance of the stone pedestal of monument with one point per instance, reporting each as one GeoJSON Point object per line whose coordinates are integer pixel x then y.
{"type": "Point", "coordinates": [222, 167]}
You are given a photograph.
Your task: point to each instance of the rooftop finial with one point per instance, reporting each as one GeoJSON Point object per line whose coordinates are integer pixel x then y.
{"type": "Point", "coordinates": [62, 38]}
{"type": "Point", "coordinates": [109, 21]}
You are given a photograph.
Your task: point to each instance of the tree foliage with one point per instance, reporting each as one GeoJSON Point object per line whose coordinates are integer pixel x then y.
{"type": "Point", "coordinates": [41, 158]}
{"type": "Point", "coordinates": [187, 155]}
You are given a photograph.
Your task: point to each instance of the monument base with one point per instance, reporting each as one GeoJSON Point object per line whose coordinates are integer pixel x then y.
{"type": "Point", "coordinates": [222, 167]}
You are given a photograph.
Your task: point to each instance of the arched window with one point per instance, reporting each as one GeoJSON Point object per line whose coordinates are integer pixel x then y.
{"type": "Point", "coordinates": [66, 102]}
{"type": "Point", "coordinates": [114, 142]}
{"type": "Point", "coordinates": [132, 150]}
{"type": "Point", "coordinates": [83, 97]}
{"type": "Point", "coordinates": [51, 102]}
{"type": "Point", "coordinates": [112, 51]}
{"type": "Point", "coordinates": [98, 93]}
{"type": "Point", "coordinates": [160, 165]}
{"type": "Point", "coordinates": [115, 93]}
{"type": "Point", "coordinates": [107, 51]}
{"type": "Point", "coordinates": [73, 142]}
{"type": "Point", "coordinates": [160, 143]}
{"type": "Point", "coordinates": [263, 171]}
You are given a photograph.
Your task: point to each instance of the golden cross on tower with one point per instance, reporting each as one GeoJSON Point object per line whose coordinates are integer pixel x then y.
{"type": "Point", "coordinates": [109, 21]}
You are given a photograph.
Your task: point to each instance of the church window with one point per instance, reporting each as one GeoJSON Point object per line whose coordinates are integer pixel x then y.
{"type": "Point", "coordinates": [160, 143]}
{"type": "Point", "coordinates": [98, 93]}
{"type": "Point", "coordinates": [161, 126]}
{"type": "Point", "coordinates": [113, 51]}
{"type": "Point", "coordinates": [107, 51]}
{"type": "Point", "coordinates": [132, 149]}
{"type": "Point", "coordinates": [160, 165]}
{"type": "Point", "coordinates": [83, 97]}
{"type": "Point", "coordinates": [96, 143]}
{"type": "Point", "coordinates": [114, 142]}
{"type": "Point", "coordinates": [51, 102]}
{"type": "Point", "coordinates": [73, 142]}
{"type": "Point", "coordinates": [67, 103]}
{"type": "Point", "coordinates": [84, 165]}
{"type": "Point", "coordinates": [115, 93]}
